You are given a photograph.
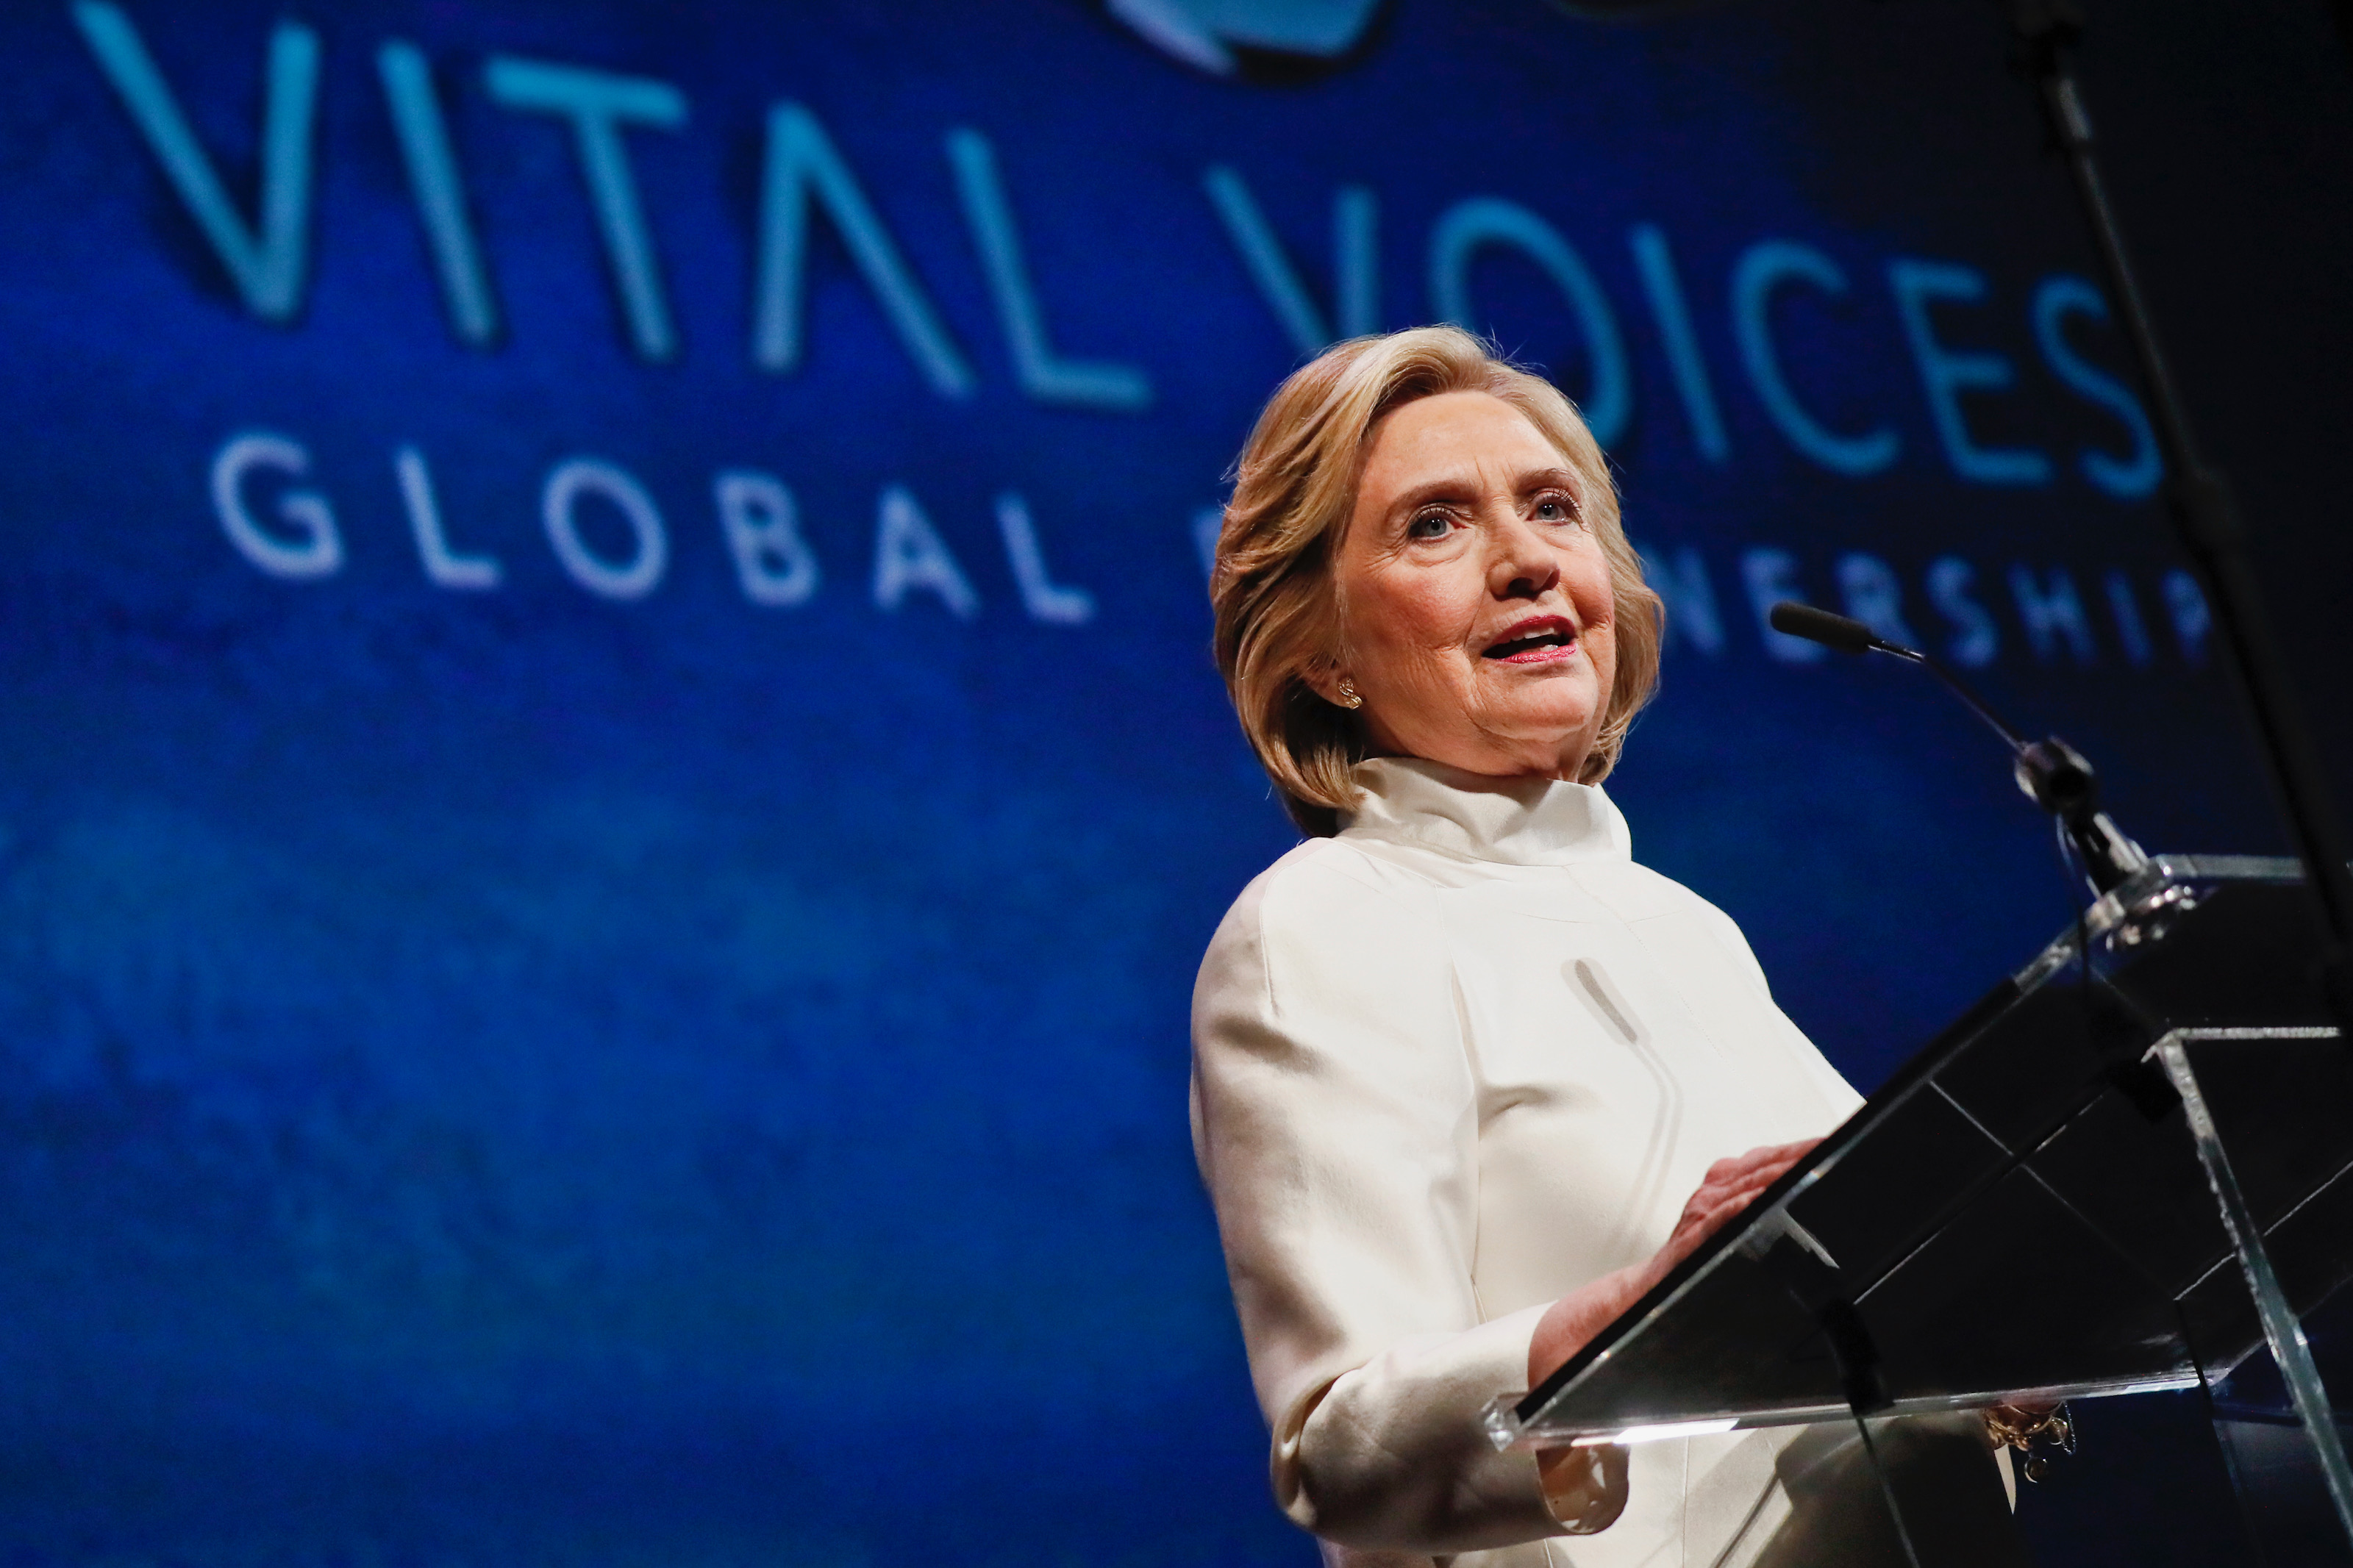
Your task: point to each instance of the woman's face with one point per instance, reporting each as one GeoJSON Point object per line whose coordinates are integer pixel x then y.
{"type": "Point", "coordinates": [1475, 600]}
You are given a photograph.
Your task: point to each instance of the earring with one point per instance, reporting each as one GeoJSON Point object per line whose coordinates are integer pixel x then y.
{"type": "Point", "coordinates": [1348, 698]}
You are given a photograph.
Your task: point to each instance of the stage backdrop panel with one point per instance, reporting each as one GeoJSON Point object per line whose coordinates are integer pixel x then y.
{"type": "Point", "coordinates": [610, 784]}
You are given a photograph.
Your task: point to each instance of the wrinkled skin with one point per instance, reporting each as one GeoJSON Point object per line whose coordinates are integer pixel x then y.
{"type": "Point", "coordinates": [1475, 620]}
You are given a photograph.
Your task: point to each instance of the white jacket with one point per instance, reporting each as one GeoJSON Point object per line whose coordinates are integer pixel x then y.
{"type": "Point", "coordinates": [1449, 1066]}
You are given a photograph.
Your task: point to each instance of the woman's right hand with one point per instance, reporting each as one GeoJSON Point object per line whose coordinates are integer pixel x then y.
{"type": "Point", "coordinates": [1586, 1488]}
{"type": "Point", "coordinates": [1729, 1186]}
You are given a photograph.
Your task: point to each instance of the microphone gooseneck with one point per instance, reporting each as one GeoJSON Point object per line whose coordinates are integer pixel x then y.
{"type": "Point", "coordinates": [2052, 774]}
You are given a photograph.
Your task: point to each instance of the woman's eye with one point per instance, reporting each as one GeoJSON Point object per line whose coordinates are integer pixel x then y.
{"type": "Point", "coordinates": [1555, 509]}
{"type": "Point", "coordinates": [1430, 525]}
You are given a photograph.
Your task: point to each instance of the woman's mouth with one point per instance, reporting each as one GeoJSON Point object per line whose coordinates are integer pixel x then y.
{"type": "Point", "coordinates": [1537, 641]}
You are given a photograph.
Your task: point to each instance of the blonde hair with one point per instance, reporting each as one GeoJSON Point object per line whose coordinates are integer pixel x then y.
{"type": "Point", "coordinates": [1272, 590]}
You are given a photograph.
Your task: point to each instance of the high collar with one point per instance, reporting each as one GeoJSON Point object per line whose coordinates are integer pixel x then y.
{"type": "Point", "coordinates": [1515, 822]}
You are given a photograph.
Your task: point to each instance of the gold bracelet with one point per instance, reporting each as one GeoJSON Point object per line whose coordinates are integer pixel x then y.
{"type": "Point", "coordinates": [2013, 1428]}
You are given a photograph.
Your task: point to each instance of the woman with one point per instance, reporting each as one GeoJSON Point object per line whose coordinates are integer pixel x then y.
{"type": "Point", "coordinates": [1468, 1081]}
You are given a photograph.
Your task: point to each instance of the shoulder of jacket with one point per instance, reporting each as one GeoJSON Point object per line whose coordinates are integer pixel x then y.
{"type": "Point", "coordinates": [1640, 893]}
{"type": "Point", "coordinates": [1321, 872]}
{"type": "Point", "coordinates": [1697, 903]}
{"type": "Point", "coordinates": [1318, 887]}
{"type": "Point", "coordinates": [1661, 895]}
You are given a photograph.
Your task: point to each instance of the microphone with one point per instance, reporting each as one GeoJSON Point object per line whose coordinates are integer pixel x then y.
{"type": "Point", "coordinates": [2052, 774]}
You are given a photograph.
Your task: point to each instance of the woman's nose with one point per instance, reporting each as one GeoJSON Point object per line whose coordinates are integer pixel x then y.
{"type": "Point", "coordinates": [1522, 564]}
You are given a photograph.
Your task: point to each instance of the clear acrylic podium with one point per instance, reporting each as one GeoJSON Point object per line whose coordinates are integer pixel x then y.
{"type": "Point", "coordinates": [2103, 1178]}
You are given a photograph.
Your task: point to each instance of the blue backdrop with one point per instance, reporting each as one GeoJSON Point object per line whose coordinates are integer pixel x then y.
{"type": "Point", "coordinates": [609, 782]}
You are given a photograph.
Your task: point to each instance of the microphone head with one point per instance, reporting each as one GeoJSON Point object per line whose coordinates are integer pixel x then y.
{"type": "Point", "coordinates": [1804, 621]}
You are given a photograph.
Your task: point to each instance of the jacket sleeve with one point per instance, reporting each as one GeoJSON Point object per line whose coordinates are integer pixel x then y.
{"type": "Point", "coordinates": [1805, 1057]}
{"type": "Point", "coordinates": [1335, 1118]}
